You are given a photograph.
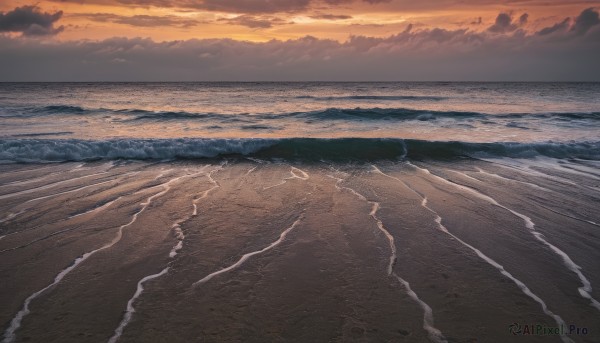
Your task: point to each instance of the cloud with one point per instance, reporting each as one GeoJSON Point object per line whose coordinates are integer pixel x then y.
{"type": "Point", "coordinates": [140, 20]}
{"type": "Point", "coordinates": [270, 6]}
{"type": "Point", "coordinates": [558, 27]}
{"type": "Point", "coordinates": [478, 21]}
{"type": "Point", "coordinates": [337, 2]}
{"type": "Point", "coordinates": [254, 22]}
{"type": "Point", "coordinates": [523, 19]}
{"type": "Point", "coordinates": [413, 54]}
{"type": "Point", "coordinates": [504, 23]}
{"type": "Point", "coordinates": [231, 6]}
{"type": "Point", "coordinates": [585, 21]}
{"type": "Point", "coordinates": [331, 17]}
{"type": "Point", "coordinates": [254, 6]}
{"type": "Point", "coordinates": [30, 21]}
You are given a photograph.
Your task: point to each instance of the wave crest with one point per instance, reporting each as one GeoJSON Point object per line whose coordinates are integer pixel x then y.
{"type": "Point", "coordinates": [356, 149]}
{"type": "Point", "coordinates": [331, 113]}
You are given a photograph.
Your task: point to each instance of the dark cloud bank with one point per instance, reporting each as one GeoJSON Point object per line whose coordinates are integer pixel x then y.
{"type": "Point", "coordinates": [566, 51]}
{"type": "Point", "coordinates": [233, 6]}
{"type": "Point", "coordinates": [30, 21]}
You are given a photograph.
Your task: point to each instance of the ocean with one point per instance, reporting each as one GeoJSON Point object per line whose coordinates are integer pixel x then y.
{"type": "Point", "coordinates": [300, 212]}
{"type": "Point", "coordinates": [81, 121]}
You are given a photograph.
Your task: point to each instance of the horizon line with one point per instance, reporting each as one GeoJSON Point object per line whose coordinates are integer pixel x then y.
{"type": "Point", "coordinates": [316, 81]}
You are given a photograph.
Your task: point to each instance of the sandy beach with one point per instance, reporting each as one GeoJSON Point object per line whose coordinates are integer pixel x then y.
{"type": "Point", "coordinates": [235, 249]}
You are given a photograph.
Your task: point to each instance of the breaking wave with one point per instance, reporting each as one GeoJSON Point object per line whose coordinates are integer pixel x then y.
{"type": "Point", "coordinates": [374, 97]}
{"type": "Point", "coordinates": [332, 113]}
{"type": "Point", "coordinates": [357, 149]}
{"type": "Point", "coordinates": [381, 114]}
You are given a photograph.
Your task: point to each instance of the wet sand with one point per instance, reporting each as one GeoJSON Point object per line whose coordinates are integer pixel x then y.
{"type": "Point", "coordinates": [248, 250]}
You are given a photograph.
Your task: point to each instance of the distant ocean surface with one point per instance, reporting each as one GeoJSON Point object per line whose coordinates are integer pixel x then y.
{"type": "Point", "coordinates": [50, 122]}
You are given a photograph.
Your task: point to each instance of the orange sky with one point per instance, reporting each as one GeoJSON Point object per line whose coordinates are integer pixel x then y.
{"type": "Point", "coordinates": [299, 40]}
{"type": "Point", "coordinates": [259, 20]}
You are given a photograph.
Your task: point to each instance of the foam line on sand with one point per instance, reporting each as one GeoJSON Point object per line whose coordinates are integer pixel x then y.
{"type": "Point", "coordinates": [499, 267]}
{"type": "Point", "coordinates": [586, 287]}
{"type": "Point", "coordinates": [180, 236]}
{"type": "Point", "coordinates": [206, 192]}
{"type": "Point", "coordinates": [245, 257]}
{"type": "Point", "coordinates": [524, 168]}
{"type": "Point", "coordinates": [296, 174]}
{"type": "Point", "coordinates": [44, 187]}
{"type": "Point", "coordinates": [96, 209]}
{"type": "Point", "coordinates": [75, 190]}
{"type": "Point", "coordinates": [130, 309]}
{"type": "Point", "coordinates": [39, 178]}
{"type": "Point", "coordinates": [9, 334]}
{"type": "Point", "coordinates": [542, 189]}
{"type": "Point", "coordinates": [434, 334]}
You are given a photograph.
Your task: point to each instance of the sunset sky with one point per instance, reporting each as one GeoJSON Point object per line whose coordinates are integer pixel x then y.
{"type": "Point", "coordinates": [299, 40]}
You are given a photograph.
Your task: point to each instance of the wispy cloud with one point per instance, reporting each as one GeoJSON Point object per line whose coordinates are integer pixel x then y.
{"type": "Point", "coordinates": [331, 16]}
{"type": "Point", "coordinates": [255, 22]}
{"type": "Point", "coordinates": [140, 20]}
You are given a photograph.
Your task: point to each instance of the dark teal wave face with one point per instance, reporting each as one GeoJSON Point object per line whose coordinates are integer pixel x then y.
{"type": "Point", "coordinates": [358, 149]}
{"type": "Point", "coordinates": [303, 149]}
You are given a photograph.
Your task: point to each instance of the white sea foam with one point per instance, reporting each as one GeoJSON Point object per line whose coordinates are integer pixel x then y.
{"type": "Point", "coordinates": [275, 185]}
{"type": "Point", "coordinates": [257, 160]}
{"type": "Point", "coordinates": [11, 216]}
{"type": "Point", "coordinates": [299, 174]}
{"type": "Point", "coordinates": [566, 167]}
{"type": "Point", "coordinates": [70, 191]}
{"type": "Point", "coordinates": [434, 334]}
{"type": "Point", "coordinates": [559, 321]}
{"type": "Point", "coordinates": [245, 257]}
{"type": "Point", "coordinates": [79, 188]}
{"type": "Point", "coordinates": [586, 288]}
{"type": "Point", "coordinates": [523, 167]}
{"type": "Point", "coordinates": [130, 309]}
{"type": "Point", "coordinates": [162, 173]}
{"type": "Point", "coordinates": [521, 285]}
{"type": "Point", "coordinates": [541, 189]}
{"type": "Point", "coordinates": [38, 239]}
{"type": "Point", "coordinates": [390, 238]}
{"type": "Point", "coordinates": [296, 173]}
{"type": "Point", "coordinates": [584, 165]}
{"type": "Point", "coordinates": [9, 335]}
{"type": "Point", "coordinates": [51, 185]}
{"type": "Point", "coordinates": [538, 187]}
{"type": "Point", "coordinates": [36, 179]}
{"type": "Point", "coordinates": [97, 209]}
{"type": "Point", "coordinates": [250, 170]}
{"type": "Point", "coordinates": [28, 170]}
{"type": "Point", "coordinates": [569, 216]}
{"type": "Point", "coordinates": [206, 192]}
{"type": "Point", "coordinates": [180, 236]}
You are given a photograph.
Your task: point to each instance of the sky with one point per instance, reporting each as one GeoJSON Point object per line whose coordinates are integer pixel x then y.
{"type": "Point", "coordinates": [299, 40]}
